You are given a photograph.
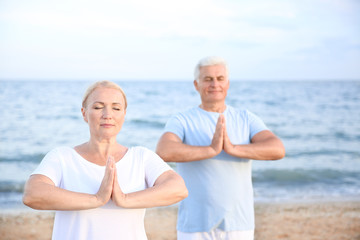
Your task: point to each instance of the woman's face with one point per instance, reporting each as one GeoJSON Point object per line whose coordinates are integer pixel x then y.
{"type": "Point", "coordinates": [105, 112]}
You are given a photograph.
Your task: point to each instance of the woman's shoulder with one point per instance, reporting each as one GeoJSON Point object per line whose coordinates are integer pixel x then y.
{"type": "Point", "coordinates": [61, 151]}
{"type": "Point", "coordinates": [141, 152]}
{"type": "Point", "coordinates": [139, 149]}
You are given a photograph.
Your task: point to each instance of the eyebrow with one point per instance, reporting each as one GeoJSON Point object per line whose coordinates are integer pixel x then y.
{"type": "Point", "coordinates": [220, 76]}
{"type": "Point", "coordinates": [114, 103]}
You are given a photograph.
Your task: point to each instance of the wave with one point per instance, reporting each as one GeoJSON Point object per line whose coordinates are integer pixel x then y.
{"type": "Point", "coordinates": [59, 117]}
{"type": "Point", "coordinates": [274, 177]}
{"type": "Point", "coordinates": [305, 177]}
{"type": "Point", "coordinates": [340, 136]}
{"type": "Point", "coordinates": [10, 186]}
{"type": "Point", "coordinates": [325, 152]}
{"type": "Point", "coordinates": [147, 123]}
{"type": "Point", "coordinates": [34, 158]}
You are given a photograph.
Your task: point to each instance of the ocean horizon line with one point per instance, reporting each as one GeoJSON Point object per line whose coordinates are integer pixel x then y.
{"type": "Point", "coordinates": [171, 80]}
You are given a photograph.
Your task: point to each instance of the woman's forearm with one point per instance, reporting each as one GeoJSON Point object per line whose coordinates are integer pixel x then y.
{"type": "Point", "coordinates": [44, 196]}
{"type": "Point", "coordinates": [168, 189]}
{"type": "Point", "coordinates": [41, 193]}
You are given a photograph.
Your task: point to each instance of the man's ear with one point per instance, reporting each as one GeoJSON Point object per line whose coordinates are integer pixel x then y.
{"type": "Point", "coordinates": [83, 111]}
{"type": "Point", "coordinates": [196, 85]}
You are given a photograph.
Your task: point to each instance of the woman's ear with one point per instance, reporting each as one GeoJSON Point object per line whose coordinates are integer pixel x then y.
{"type": "Point", "coordinates": [83, 111]}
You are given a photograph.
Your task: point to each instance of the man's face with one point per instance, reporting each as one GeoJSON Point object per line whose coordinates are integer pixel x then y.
{"type": "Point", "coordinates": [213, 84]}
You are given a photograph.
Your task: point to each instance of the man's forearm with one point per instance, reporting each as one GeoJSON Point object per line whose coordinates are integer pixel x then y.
{"type": "Point", "coordinates": [271, 149]}
{"type": "Point", "coordinates": [171, 149]}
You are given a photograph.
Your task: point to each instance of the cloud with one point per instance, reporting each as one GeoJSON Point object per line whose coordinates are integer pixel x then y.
{"type": "Point", "coordinates": [113, 38]}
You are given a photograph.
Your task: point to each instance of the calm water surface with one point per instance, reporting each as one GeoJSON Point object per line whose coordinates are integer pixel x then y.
{"type": "Point", "coordinates": [319, 123]}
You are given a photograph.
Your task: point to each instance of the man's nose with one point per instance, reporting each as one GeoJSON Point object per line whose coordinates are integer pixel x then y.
{"type": "Point", "coordinates": [214, 83]}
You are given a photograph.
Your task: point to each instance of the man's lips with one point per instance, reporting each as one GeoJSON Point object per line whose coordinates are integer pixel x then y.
{"type": "Point", "coordinates": [106, 125]}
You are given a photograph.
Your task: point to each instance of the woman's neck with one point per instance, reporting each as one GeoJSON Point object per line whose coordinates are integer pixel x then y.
{"type": "Point", "coordinates": [98, 152]}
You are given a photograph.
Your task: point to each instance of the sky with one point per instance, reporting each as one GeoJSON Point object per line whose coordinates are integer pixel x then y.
{"type": "Point", "coordinates": [163, 40]}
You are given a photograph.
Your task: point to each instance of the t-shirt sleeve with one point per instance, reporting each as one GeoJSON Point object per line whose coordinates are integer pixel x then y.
{"type": "Point", "coordinates": [256, 124]}
{"type": "Point", "coordinates": [174, 125]}
{"type": "Point", "coordinates": [50, 167]}
{"type": "Point", "coordinates": [154, 166]}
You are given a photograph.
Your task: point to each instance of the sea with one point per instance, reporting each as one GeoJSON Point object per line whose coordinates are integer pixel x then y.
{"type": "Point", "coordinates": [318, 122]}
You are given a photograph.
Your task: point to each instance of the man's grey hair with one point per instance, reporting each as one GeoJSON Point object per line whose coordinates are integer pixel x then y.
{"type": "Point", "coordinates": [209, 61]}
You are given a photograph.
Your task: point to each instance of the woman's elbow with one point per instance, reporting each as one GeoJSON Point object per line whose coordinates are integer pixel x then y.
{"type": "Point", "coordinates": [183, 193]}
{"type": "Point", "coordinates": [179, 196]}
{"type": "Point", "coordinates": [180, 192]}
{"type": "Point", "coordinates": [29, 201]}
{"type": "Point", "coordinates": [26, 200]}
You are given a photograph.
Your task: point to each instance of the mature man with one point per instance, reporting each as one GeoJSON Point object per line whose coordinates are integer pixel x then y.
{"type": "Point", "coordinates": [212, 145]}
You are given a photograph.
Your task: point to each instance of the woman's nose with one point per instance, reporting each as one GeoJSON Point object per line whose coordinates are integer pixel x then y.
{"type": "Point", "coordinates": [107, 113]}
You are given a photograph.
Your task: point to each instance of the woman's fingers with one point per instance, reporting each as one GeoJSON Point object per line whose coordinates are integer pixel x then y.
{"type": "Point", "coordinates": [106, 186]}
{"type": "Point", "coordinates": [117, 196]}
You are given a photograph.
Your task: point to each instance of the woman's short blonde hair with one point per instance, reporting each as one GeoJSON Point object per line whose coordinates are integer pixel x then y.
{"type": "Point", "coordinates": [105, 84]}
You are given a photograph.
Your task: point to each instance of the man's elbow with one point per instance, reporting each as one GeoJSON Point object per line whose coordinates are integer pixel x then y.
{"type": "Point", "coordinates": [165, 155]}
{"type": "Point", "coordinates": [278, 151]}
{"type": "Point", "coordinates": [278, 154]}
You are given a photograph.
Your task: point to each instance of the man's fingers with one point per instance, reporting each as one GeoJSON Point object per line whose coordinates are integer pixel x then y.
{"type": "Point", "coordinates": [220, 124]}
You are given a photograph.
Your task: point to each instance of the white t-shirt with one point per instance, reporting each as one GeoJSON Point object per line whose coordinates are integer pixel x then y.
{"type": "Point", "coordinates": [137, 170]}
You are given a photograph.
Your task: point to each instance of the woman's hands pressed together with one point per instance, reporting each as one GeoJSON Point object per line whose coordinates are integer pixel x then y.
{"type": "Point", "coordinates": [168, 189]}
{"type": "Point", "coordinates": [110, 188]}
{"type": "Point", "coordinates": [106, 187]}
{"type": "Point", "coordinates": [117, 195]}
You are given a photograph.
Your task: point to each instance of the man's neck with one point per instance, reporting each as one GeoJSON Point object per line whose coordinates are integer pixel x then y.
{"type": "Point", "coordinates": [213, 107]}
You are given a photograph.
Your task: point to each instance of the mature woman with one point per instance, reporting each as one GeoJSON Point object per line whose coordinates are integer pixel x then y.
{"type": "Point", "coordinates": [101, 188]}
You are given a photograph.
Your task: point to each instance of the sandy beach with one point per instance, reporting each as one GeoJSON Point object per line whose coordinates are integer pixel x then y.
{"type": "Point", "coordinates": [304, 220]}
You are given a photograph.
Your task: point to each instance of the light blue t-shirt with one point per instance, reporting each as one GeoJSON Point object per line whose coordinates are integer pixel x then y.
{"type": "Point", "coordinates": [220, 188]}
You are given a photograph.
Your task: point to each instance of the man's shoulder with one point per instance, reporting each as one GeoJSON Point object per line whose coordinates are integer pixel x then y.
{"type": "Point", "coordinates": [234, 110]}
{"type": "Point", "coordinates": [242, 113]}
{"type": "Point", "coordinates": [187, 112]}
